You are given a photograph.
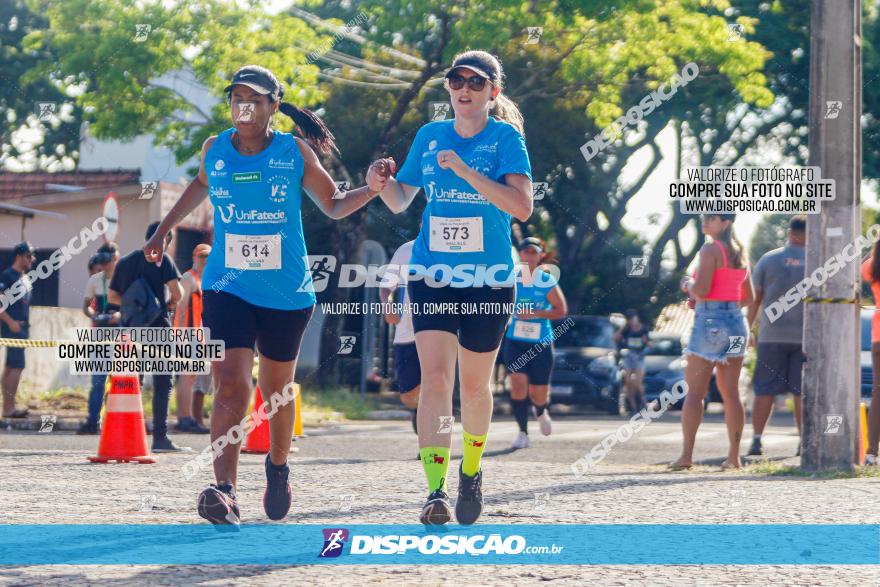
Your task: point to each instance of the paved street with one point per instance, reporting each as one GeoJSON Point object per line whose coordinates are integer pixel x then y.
{"type": "Point", "coordinates": [360, 473]}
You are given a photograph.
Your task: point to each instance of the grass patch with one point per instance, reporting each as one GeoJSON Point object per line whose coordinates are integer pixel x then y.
{"type": "Point", "coordinates": [349, 404]}
{"type": "Point", "coordinates": [774, 469]}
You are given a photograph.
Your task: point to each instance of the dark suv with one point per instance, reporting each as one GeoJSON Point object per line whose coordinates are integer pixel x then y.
{"type": "Point", "coordinates": [585, 368]}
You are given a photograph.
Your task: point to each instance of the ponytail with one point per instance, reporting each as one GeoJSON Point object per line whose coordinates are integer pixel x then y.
{"type": "Point", "coordinates": [728, 237]}
{"type": "Point", "coordinates": [310, 127]}
{"type": "Point", "coordinates": [506, 110]}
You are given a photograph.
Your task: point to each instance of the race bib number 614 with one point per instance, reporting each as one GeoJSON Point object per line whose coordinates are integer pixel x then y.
{"type": "Point", "coordinates": [253, 251]}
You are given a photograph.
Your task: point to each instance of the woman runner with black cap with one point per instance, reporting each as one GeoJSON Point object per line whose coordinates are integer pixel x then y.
{"type": "Point", "coordinates": [257, 288]}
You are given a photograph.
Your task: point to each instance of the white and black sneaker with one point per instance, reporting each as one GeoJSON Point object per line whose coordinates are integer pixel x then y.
{"type": "Point", "coordinates": [437, 510]}
{"type": "Point", "coordinates": [469, 504]}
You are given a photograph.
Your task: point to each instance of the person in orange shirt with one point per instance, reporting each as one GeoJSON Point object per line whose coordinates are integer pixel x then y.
{"type": "Point", "coordinates": [871, 274]}
{"type": "Point", "coordinates": [191, 389]}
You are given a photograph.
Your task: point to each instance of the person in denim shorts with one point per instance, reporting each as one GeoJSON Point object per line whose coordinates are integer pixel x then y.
{"type": "Point", "coordinates": [719, 287]}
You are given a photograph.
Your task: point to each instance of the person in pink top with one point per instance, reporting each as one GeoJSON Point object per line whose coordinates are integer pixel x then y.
{"type": "Point", "coordinates": [720, 336]}
{"type": "Point", "coordinates": [871, 274]}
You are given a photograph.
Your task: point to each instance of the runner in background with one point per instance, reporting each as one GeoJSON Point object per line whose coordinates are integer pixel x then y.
{"type": "Point", "coordinates": [780, 343]}
{"type": "Point", "coordinates": [476, 175]}
{"type": "Point", "coordinates": [530, 332]}
{"type": "Point", "coordinates": [407, 370]}
{"type": "Point", "coordinates": [871, 274]}
{"type": "Point", "coordinates": [191, 389]}
{"type": "Point", "coordinates": [102, 313]}
{"type": "Point", "coordinates": [720, 287]}
{"type": "Point", "coordinates": [633, 338]}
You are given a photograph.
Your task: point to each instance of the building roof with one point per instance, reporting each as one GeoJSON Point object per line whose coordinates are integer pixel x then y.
{"type": "Point", "coordinates": [17, 185]}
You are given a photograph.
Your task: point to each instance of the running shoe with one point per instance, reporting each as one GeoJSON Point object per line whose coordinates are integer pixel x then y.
{"type": "Point", "coordinates": [522, 441]}
{"type": "Point", "coordinates": [756, 449]}
{"type": "Point", "coordinates": [277, 498]}
{"type": "Point", "coordinates": [217, 505]}
{"type": "Point", "coordinates": [871, 461]}
{"type": "Point", "coordinates": [88, 428]}
{"type": "Point", "coordinates": [164, 444]}
{"type": "Point", "coordinates": [437, 510]}
{"type": "Point", "coordinates": [469, 504]}
{"type": "Point", "coordinates": [546, 423]}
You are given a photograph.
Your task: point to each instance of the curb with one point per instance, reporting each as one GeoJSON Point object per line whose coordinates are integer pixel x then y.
{"type": "Point", "coordinates": [389, 415]}
{"type": "Point", "coordinates": [34, 424]}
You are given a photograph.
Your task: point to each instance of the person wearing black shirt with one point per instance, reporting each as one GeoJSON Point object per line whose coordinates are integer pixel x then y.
{"type": "Point", "coordinates": [633, 338]}
{"type": "Point", "coordinates": [160, 277]}
{"type": "Point", "coordinates": [14, 322]}
{"type": "Point", "coordinates": [102, 314]}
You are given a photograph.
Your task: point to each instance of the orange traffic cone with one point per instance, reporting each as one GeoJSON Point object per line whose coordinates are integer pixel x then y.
{"type": "Point", "coordinates": [258, 438]}
{"type": "Point", "coordinates": [123, 438]}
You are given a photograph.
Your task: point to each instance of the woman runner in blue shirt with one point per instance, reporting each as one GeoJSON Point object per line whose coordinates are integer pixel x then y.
{"type": "Point", "coordinates": [257, 288]}
{"type": "Point", "coordinates": [476, 174]}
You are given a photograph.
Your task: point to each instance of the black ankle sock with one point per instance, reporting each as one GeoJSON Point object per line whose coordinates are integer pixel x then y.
{"type": "Point", "coordinates": [276, 467]}
{"type": "Point", "coordinates": [540, 409]}
{"type": "Point", "coordinates": [521, 413]}
{"type": "Point", "coordinates": [415, 421]}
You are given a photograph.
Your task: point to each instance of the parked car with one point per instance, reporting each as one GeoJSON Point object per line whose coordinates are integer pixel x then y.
{"type": "Point", "coordinates": [664, 367]}
{"type": "Point", "coordinates": [585, 366]}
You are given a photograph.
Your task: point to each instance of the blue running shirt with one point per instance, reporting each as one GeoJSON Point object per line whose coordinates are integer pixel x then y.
{"type": "Point", "coordinates": [536, 329]}
{"type": "Point", "coordinates": [462, 230]}
{"type": "Point", "coordinates": [259, 252]}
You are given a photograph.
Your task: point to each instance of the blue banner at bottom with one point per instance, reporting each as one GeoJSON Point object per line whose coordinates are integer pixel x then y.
{"type": "Point", "coordinates": [494, 544]}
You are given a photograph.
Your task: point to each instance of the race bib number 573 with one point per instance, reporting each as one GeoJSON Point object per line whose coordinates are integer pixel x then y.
{"type": "Point", "coordinates": [253, 251]}
{"type": "Point", "coordinates": [456, 235]}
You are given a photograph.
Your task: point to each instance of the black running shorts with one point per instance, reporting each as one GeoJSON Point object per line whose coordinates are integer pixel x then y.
{"type": "Point", "coordinates": [240, 324]}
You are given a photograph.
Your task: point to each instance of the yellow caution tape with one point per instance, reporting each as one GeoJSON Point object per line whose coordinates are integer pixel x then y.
{"type": "Point", "coordinates": [25, 343]}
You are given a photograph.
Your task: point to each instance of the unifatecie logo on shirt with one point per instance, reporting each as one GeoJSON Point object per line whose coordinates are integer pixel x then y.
{"type": "Point", "coordinates": [435, 193]}
{"type": "Point", "coordinates": [229, 212]}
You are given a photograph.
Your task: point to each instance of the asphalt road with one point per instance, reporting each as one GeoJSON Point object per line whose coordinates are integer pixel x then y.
{"type": "Point", "coordinates": [367, 472]}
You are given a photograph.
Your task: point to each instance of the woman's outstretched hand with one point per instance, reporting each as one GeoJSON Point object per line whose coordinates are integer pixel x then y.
{"type": "Point", "coordinates": [379, 172]}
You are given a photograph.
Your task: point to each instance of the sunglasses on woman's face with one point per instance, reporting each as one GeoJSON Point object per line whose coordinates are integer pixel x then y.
{"type": "Point", "coordinates": [476, 83]}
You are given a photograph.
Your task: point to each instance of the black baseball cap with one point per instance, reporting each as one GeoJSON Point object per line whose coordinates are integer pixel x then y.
{"type": "Point", "coordinates": [24, 248]}
{"type": "Point", "coordinates": [257, 78]}
{"type": "Point", "coordinates": [480, 64]}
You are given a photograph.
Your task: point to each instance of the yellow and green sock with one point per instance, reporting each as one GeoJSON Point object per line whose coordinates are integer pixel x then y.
{"type": "Point", "coordinates": [473, 451]}
{"type": "Point", "coordinates": [435, 460]}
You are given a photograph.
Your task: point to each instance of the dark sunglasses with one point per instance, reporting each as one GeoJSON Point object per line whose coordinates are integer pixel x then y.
{"type": "Point", "coordinates": [476, 83]}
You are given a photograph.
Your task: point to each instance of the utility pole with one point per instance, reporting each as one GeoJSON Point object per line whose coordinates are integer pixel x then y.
{"type": "Point", "coordinates": [831, 330]}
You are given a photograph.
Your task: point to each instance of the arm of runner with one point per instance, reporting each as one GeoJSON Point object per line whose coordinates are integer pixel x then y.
{"type": "Point", "coordinates": [396, 195]}
{"type": "Point", "coordinates": [192, 196]}
{"type": "Point", "coordinates": [321, 188]}
{"type": "Point", "coordinates": [514, 196]}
